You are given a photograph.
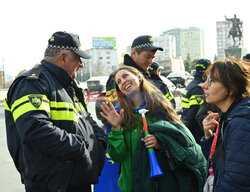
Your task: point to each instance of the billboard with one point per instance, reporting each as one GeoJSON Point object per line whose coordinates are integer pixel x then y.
{"type": "Point", "coordinates": [104, 42]}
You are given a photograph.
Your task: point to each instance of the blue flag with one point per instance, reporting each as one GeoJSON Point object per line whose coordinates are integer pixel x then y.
{"type": "Point", "coordinates": [108, 181]}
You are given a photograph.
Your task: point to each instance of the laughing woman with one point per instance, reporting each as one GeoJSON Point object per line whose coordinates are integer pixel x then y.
{"type": "Point", "coordinates": [227, 136]}
{"type": "Point", "coordinates": [179, 157]}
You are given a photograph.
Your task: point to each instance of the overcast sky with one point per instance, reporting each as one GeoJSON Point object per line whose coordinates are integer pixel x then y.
{"type": "Point", "coordinates": [26, 25]}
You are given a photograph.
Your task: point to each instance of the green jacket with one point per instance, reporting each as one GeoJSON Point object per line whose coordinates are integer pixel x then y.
{"type": "Point", "coordinates": [181, 160]}
{"type": "Point", "coordinates": [121, 148]}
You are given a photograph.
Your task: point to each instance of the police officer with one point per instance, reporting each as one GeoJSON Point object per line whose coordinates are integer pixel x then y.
{"type": "Point", "coordinates": [193, 98]}
{"type": "Point", "coordinates": [54, 143]}
{"type": "Point", "coordinates": [154, 70]}
{"type": "Point", "coordinates": [142, 55]}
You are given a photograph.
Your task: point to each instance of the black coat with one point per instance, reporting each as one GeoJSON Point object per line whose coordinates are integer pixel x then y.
{"type": "Point", "coordinates": [232, 171]}
{"type": "Point", "coordinates": [53, 141]}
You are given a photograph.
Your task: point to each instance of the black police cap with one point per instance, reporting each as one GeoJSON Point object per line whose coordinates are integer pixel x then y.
{"type": "Point", "coordinates": [67, 41]}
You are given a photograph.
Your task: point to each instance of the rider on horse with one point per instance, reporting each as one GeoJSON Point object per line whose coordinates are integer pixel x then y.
{"type": "Point", "coordinates": [235, 31]}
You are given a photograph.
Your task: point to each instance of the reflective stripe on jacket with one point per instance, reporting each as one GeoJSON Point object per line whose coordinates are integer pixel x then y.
{"type": "Point", "coordinates": [192, 99]}
{"type": "Point", "coordinates": [51, 137]}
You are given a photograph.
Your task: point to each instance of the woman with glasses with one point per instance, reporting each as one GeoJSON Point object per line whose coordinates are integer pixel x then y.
{"type": "Point", "coordinates": [227, 135]}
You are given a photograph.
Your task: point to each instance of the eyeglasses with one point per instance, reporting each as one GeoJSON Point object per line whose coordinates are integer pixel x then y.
{"type": "Point", "coordinates": [209, 81]}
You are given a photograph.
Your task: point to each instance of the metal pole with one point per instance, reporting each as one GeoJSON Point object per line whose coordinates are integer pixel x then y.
{"type": "Point", "coordinates": [3, 76]}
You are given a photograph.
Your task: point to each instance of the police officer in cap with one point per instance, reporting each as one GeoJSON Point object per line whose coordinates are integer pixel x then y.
{"type": "Point", "coordinates": [154, 70]}
{"type": "Point", "coordinates": [54, 143]}
{"type": "Point", "coordinates": [193, 98]}
{"type": "Point", "coordinates": [143, 52]}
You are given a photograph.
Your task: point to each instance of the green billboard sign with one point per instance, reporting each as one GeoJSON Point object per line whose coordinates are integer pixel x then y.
{"type": "Point", "coordinates": [104, 42]}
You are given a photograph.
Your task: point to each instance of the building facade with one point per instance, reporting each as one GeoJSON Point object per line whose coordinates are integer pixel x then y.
{"type": "Point", "coordinates": [168, 43]}
{"type": "Point", "coordinates": [103, 62]}
{"type": "Point", "coordinates": [223, 39]}
{"type": "Point", "coordinates": [181, 43]}
{"type": "Point", "coordinates": [176, 43]}
{"type": "Point", "coordinates": [104, 59]}
{"type": "Point", "coordinates": [192, 43]}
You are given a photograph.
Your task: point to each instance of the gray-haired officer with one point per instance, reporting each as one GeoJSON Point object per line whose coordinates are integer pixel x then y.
{"type": "Point", "coordinates": [54, 143]}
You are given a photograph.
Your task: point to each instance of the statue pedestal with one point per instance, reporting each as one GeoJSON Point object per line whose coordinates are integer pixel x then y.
{"type": "Point", "coordinates": [235, 51]}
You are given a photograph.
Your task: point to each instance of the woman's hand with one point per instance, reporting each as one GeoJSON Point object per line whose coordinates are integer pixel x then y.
{"type": "Point", "coordinates": [111, 115]}
{"type": "Point", "coordinates": [209, 124]}
{"type": "Point", "coordinates": [151, 141]}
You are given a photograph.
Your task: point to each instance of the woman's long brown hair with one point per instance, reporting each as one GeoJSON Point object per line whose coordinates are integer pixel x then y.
{"type": "Point", "coordinates": [154, 99]}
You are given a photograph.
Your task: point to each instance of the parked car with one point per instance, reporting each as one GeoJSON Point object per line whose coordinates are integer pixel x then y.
{"type": "Point", "coordinates": [97, 84]}
{"type": "Point", "coordinates": [169, 83]}
{"type": "Point", "coordinates": [177, 93]}
{"type": "Point", "coordinates": [85, 89]}
{"type": "Point", "coordinates": [180, 78]}
{"type": "Point", "coordinates": [193, 72]}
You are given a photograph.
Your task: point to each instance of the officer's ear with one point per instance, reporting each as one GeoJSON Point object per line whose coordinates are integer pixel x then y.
{"type": "Point", "coordinates": [63, 56]}
{"type": "Point", "coordinates": [157, 72]}
{"type": "Point", "coordinates": [133, 53]}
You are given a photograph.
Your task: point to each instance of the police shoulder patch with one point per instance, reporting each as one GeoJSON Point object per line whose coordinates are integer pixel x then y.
{"type": "Point", "coordinates": [198, 99]}
{"type": "Point", "coordinates": [36, 100]}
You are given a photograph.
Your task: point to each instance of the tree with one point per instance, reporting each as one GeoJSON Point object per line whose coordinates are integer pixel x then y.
{"type": "Point", "coordinates": [215, 58]}
{"type": "Point", "coordinates": [188, 57]}
{"type": "Point", "coordinates": [193, 63]}
{"type": "Point", "coordinates": [187, 65]}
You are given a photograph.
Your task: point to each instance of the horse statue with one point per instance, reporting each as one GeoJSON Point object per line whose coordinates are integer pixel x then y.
{"type": "Point", "coordinates": [236, 30]}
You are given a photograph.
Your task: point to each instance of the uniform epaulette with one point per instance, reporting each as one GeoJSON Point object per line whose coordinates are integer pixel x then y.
{"type": "Point", "coordinates": [34, 73]}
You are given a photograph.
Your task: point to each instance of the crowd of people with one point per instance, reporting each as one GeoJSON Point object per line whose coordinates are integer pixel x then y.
{"type": "Point", "coordinates": [57, 146]}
